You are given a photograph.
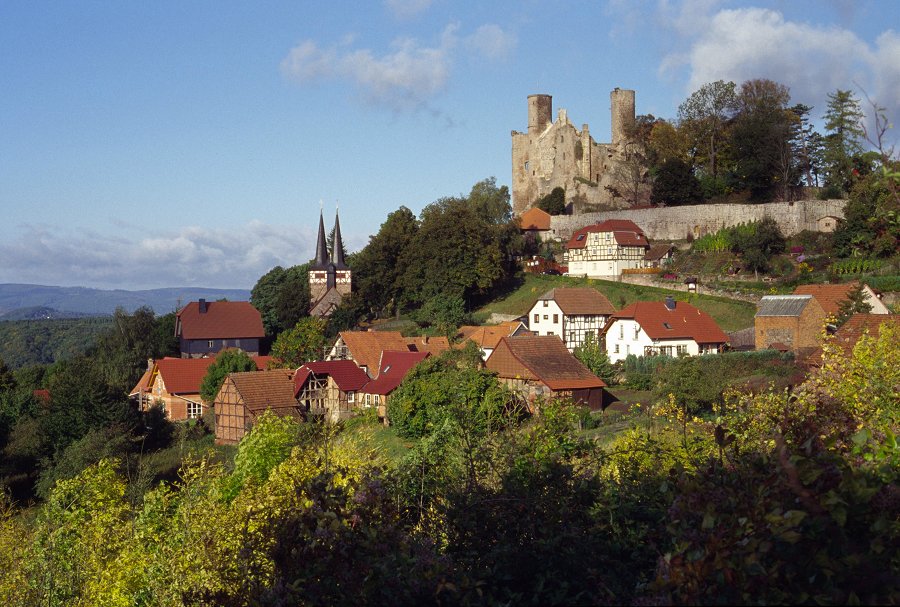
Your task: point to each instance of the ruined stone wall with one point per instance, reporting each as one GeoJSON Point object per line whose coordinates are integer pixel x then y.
{"type": "Point", "coordinates": [556, 154]}
{"type": "Point", "coordinates": [675, 223]}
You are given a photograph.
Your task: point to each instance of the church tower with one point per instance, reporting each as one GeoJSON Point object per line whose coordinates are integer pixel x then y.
{"type": "Point", "coordinates": [329, 276]}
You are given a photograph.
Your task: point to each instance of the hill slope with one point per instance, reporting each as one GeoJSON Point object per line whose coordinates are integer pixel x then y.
{"type": "Point", "coordinates": [86, 301]}
{"type": "Point", "coordinates": [729, 314]}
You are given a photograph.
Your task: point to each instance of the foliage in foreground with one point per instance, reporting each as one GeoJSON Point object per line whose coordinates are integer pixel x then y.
{"type": "Point", "coordinates": [782, 498]}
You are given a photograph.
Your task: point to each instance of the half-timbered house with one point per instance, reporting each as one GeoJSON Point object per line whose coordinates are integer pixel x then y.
{"type": "Point", "coordinates": [245, 396]}
{"type": "Point", "coordinates": [606, 248]}
{"type": "Point", "coordinates": [330, 388]}
{"type": "Point", "coordinates": [570, 313]}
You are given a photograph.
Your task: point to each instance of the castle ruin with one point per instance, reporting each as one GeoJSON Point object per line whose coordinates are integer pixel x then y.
{"type": "Point", "coordinates": [556, 154]}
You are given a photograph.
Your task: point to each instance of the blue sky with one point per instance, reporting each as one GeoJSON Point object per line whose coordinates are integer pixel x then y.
{"type": "Point", "coordinates": [181, 143]}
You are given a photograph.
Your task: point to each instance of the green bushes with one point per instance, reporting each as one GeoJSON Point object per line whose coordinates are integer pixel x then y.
{"type": "Point", "coordinates": [855, 266]}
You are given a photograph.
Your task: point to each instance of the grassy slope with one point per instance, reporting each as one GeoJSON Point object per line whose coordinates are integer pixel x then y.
{"type": "Point", "coordinates": [730, 314]}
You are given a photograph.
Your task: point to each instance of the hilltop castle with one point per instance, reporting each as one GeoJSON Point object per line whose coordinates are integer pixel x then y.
{"type": "Point", "coordinates": [329, 276]}
{"type": "Point", "coordinates": [556, 154]}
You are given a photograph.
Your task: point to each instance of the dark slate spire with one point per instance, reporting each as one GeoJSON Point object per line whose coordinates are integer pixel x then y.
{"type": "Point", "coordinates": [321, 260]}
{"type": "Point", "coordinates": [338, 253]}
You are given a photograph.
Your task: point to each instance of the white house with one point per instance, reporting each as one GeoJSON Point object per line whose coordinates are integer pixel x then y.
{"type": "Point", "coordinates": [571, 314]}
{"type": "Point", "coordinates": [606, 248]}
{"type": "Point", "coordinates": [647, 328]}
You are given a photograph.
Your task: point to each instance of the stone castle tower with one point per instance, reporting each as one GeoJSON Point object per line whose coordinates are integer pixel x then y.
{"type": "Point", "coordinates": [329, 276]}
{"type": "Point", "coordinates": [556, 154]}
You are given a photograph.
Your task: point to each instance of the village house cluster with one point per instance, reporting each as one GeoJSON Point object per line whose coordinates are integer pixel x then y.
{"type": "Point", "coordinates": [533, 355]}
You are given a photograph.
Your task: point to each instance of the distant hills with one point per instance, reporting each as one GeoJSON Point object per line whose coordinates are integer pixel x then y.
{"type": "Point", "coordinates": [32, 302]}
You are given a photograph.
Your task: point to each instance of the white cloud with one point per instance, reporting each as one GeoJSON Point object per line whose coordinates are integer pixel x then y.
{"type": "Point", "coordinates": [492, 42]}
{"type": "Point", "coordinates": [192, 256]}
{"type": "Point", "coordinates": [812, 60]}
{"type": "Point", "coordinates": [407, 77]}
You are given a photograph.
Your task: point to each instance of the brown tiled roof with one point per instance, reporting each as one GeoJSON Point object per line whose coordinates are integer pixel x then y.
{"type": "Point", "coordinates": [345, 373]}
{"type": "Point", "coordinates": [394, 367]}
{"type": "Point", "coordinates": [684, 322]}
{"type": "Point", "coordinates": [272, 389]}
{"type": "Point", "coordinates": [657, 251]}
{"type": "Point", "coordinates": [625, 232]}
{"type": "Point", "coordinates": [222, 320]}
{"type": "Point", "coordinates": [859, 324]}
{"type": "Point", "coordinates": [535, 219]}
{"type": "Point", "coordinates": [184, 375]}
{"type": "Point", "coordinates": [829, 296]}
{"type": "Point", "coordinates": [489, 336]}
{"type": "Point", "coordinates": [580, 301]}
{"type": "Point", "coordinates": [366, 346]}
{"type": "Point", "coordinates": [435, 345]}
{"type": "Point", "coordinates": [548, 359]}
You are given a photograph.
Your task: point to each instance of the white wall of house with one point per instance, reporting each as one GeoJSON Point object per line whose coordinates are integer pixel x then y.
{"type": "Point", "coordinates": [546, 318]}
{"type": "Point", "coordinates": [603, 256]}
{"type": "Point", "coordinates": [627, 337]}
{"type": "Point", "coordinates": [878, 306]}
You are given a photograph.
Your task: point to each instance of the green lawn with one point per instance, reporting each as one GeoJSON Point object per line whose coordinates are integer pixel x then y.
{"type": "Point", "coordinates": [730, 314]}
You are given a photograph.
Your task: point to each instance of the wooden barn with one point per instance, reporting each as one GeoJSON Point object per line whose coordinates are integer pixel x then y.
{"type": "Point", "coordinates": [245, 396]}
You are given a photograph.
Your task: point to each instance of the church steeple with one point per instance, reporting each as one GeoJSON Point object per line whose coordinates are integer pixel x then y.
{"type": "Point", "coordinates": [321, 261]}
{"type": "Point", "coordinates": [338, 253]}
{"type": "Point", "coordinates": [330, 278]}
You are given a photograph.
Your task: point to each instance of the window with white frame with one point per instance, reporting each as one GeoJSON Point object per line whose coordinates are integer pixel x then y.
{"type": "Point", "coordinates": [194, 410]}
{"type": "Point", "coordinates": [351, 396]}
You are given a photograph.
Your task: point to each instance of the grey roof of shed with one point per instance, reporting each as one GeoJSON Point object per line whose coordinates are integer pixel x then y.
{"type": "Point", "coordinates": [782, 305]}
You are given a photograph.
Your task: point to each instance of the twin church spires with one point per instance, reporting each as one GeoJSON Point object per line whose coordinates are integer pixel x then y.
{"type": "Point", "coordinates": [329, 275]}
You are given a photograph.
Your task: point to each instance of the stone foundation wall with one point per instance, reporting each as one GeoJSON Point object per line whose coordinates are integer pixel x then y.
{"type": "Point", "coordinates": [675, 223]}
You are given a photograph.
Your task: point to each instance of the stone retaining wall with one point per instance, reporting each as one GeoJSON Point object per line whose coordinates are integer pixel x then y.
{"type": "Point", "coordinates": [675, 223]}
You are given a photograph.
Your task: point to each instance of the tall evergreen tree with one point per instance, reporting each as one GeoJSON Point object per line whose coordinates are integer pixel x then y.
{"type": "Point", "coordinates": [843, 138]}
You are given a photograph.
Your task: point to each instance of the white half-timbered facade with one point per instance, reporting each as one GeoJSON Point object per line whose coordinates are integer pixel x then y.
{"type": "Point", "coordinates": [571, 314]}
{"type": "Point", "coordinates": [606, 248]}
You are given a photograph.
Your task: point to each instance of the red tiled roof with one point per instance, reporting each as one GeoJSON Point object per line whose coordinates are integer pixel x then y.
{"type": "Point", "coordinates": [684, 322]}
{"type": "Point", "coordinates": [535, 219]}
{"type": "Point", "coordinates": [578, 301]}
{"type": "Point", "coordinates": [184, 375]}
{"type": "Point", "coordinates": [394, 367]}
{"type": "Point", "coordinates": [848, 334]}
{"type": "Point", "coordinates": [625, 232]}
{"type": "Point", "coordinates": [829, 296]}
{"type": "Point", "coordinates": [347, 376]}
{"type": "Point", "coordinates": [547, 357]}
{"type": "Point", "coordinates": [222, 320]}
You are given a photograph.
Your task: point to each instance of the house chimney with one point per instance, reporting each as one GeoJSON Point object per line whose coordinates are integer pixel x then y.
{"type": "Point", "coordinates": [203, 306]}
{"type": "Point", "coordinates": [670, 302]}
